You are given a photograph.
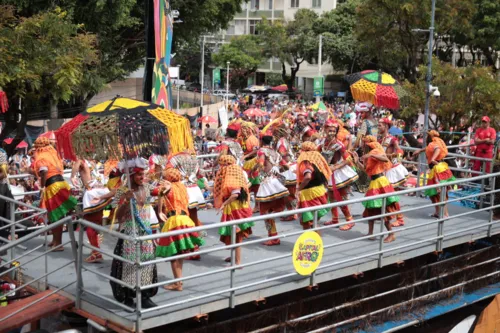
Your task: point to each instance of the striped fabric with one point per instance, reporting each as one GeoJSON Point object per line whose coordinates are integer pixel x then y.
{"type": "Point", "coordinates": [57, 198]}
{"type": "Point", "coordinates": [379, 186]}
{"type": "Point", "coordinates": [172, 245]}
{"type": "Point", "coordinates": [440, 173]}
{"type": "Point", "coordinates": [311, 197]}
{"type": "Point", "coordinates": [234, 211]}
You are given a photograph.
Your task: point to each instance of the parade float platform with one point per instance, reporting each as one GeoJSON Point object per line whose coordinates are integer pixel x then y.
{"type": "Point", "coordinates": [110, 313]}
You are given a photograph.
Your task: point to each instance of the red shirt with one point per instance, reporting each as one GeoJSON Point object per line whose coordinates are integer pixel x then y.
{"type": "Point", "coordinates": [485, 133]}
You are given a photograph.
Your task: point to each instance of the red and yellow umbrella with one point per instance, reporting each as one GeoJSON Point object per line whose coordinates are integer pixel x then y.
{"type": "Point", "coordinates": [378, 88]}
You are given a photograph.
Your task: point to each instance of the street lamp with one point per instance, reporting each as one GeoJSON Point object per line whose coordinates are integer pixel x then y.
{"type": "Point", "coordinates": [320, 61]}
{"type": "Point", "coordinates": [227, 86]}
{"type": "Point", "coordinates": [428, 86]}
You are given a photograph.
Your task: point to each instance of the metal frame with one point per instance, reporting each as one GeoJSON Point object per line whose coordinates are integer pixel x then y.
{"type": "Point", "coordinates": [233, 287]}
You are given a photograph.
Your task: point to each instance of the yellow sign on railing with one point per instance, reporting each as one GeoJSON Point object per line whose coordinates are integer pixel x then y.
{"type": "Point", "coordinates": [307, 253]}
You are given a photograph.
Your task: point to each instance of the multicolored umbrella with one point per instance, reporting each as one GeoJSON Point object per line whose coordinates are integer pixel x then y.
{"type": "Point", "coordinates": [207, 119]}
{"type": "Point", "coordinates": [254, 112]}
{"type": "Point", "coordinates": [378, 88]}
{"type": "Point", "coordinates": [123, 128]}
{"type": "Point", "coordinates": [282, 88]}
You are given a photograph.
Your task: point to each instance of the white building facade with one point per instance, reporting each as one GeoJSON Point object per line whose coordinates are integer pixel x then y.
{"type": "Point", "coordinates": [247, 21]}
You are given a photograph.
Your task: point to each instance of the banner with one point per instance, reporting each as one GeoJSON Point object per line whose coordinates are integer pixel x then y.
{"type": "Point", "coordinates": [223, 117]}
{"type": "Point", "coordinates": [216, 76]}
{"type": "Point", "coordinates": [318, 86]}
{"type": "Point", "coordinates": [162, 86]}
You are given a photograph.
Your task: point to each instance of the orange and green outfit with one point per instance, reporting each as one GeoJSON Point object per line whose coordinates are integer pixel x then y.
{"type": "Point", "coordinates": [379, 184]}
{"type": "Point", "coordinates": [174, 205]}
{"type": "Point", "coordinates": [440, 172]}
{"type": "Point", "coordinates": [249, 144]}
{"type": "Point", "coordinates": [230, 180]}
{"type": "Point", "coordinates": [314, 194]}
{"type": "Point", "coordinates": [57, 198]}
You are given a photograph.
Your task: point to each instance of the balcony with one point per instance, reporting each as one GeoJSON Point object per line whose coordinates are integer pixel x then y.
{"type": "Point", "coordinates": [255, 13]}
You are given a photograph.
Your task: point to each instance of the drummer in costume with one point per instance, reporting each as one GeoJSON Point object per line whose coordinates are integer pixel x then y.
{"type": "Point", "coordinates": [95, 201]}
{"type": "Point", "coordinates": [435, 152]}
{"type": "Point", "coordinates": [303, 130]}
{"type": "Point", "coordinates": [375, 163]}
{"type": "Point", "coordinates": [313, 173]}
{"type": "Point", "coordinates": [368, 126]}
{"type": "Point", "coordinates": [250, 146]}
{"type": "Point", "coordinates": [272, 192]}
{"type": "Point", "coordinates": [173, 206]}
{"type": "Point", "coordinates": [288, 167]}
{"type": "Point", "coordinates": [230, 145]}
{"type": "Point", "coordinates": [232, 199]}
{"type": "Point", "coordinates": [398, 174]}
{"type": "Point", "coordinates": [135, 222]}
{"type": "Point", "coordinates": [55, 191]}
{"type": "Point", "coordinates": [343, 175]}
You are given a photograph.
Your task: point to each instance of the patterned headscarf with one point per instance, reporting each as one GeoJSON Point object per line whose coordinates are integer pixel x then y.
{"type": "Point", "coordinates": [173, 175]}
{"type": "Point", "coordinates": [230, 177]}
{"type": "Point", "coordinates": [309, 152]}
{"type": "Point", "coordinates": [41, 142]}
{"type": "Point", "coordinates": [372, 142]}
{"type": "Point", "coordinates": [433, 133]}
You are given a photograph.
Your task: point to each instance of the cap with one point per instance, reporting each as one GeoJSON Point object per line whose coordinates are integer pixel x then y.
{"type": "Point", "coordinates": [234, 126]}
{"type": "Point", "coordinates": [267, 132]}
{"type": "Point", "coordinates": [485, 118]}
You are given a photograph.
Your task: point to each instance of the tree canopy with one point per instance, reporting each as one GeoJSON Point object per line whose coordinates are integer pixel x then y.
{"type": "Point", "coordinates": [244, 54]}
{"type": "Point", "coordinates": [292, 42]}
{"type": "Point", "coordinates": [44, 61]}
{"type": "Point", "coordinates": [467, 94]}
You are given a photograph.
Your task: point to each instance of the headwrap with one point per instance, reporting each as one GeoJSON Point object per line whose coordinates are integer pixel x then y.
{"type": "Point", "coordinates": [433, 133]}
{"type": "Point", "coordinates": [331, 123]}
{"type": "Point", "coordinates": [46, 154]}
{"type": "Point", "coordinates": [235, 126]}
{"type": "Point", "coordinates": [177, 199]}
{"type": "Point", "coordinates": [386, 121]}
{"type": "Point", "coordinates": [436, 143]}
{"type": "Point", "coordinates": [230, 177]}
{"type": "Point", "coordinates": [373, 166]}
{"type": "Point", "coordinates": [134, 166]}
{"type": "Point", "coordinates": [41, 142]}
{"type": "Point", "coordinates": [309, 152]}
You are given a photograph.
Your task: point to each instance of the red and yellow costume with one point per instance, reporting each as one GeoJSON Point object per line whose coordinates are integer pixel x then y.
{"type": "Point", "coordinates": [174, 208]}
{"type": "Point", "coordinates": [440, 172]}
{"type": "Point", "coordinates": [250, 144]}
{"type": "Point", "coordinates": [379, 183]}
{"type": "Point", "coordinates": [230, 179]}
{"type": "Point", "coordinates": [57, 198]}
{"type": "Point", "coordinates": [314, 193]}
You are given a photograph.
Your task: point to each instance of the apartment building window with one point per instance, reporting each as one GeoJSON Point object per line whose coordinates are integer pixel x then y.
{"type": "Point", "coordinates": [316, 3]}
{"type": "Point", "coordinates": [253, 26]}
{"type": "Point", "coordinates": [271, 4]}
{"type": "Point", "coordinates": [294, 3]}
{"type": "Point", "coordinates": [254, 4]}
{"type": "Point", "coordinates": [230, 29]}
{"type": "Point", "coordinates": [240, 27]}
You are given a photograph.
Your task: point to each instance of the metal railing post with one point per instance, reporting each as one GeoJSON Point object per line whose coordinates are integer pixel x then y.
{"type": "Point", "coordinates": [492, 203]}
{"type": "Point", "coordinates": [467, 151]}
{"type": "Point", "coordinates": [233, 270]}
{"type": "Point", "coordinates": [138, 292]}
{"type": "Point", "coordinates": [74, 247]}
{"type": "Point", "coordinates": [381, 240]}
{"type": "Point", "coordinates": [12, 209]}
{"type": "Point", "coordinates": [79, 283]}
{"type": "Point", "coordinates": [483, 172]}
{"type": "Point", "coordinates": [312, 280]}
{"type": "Point", "coordinates": [442, 199]}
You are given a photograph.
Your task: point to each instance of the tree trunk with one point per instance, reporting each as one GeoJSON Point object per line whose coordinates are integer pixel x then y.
{"type": "Point", "coordinates": [53, 110]}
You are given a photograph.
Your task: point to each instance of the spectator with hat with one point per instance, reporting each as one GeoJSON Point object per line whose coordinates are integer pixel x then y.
{"type": "Point", "coordinates": [484, 138]}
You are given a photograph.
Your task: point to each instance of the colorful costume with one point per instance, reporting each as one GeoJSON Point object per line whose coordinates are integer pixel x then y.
{"type": "Point", "coordinates": [288, 167]}
{"type": "Point", "coordinates": [398, 174]}
{"type": "Point", "coordinates": [379, 183]}
{"type": "Point", "coordinates": [250, 144]}
{"type": "Point", "coordinates": [272, 192]}
{"type": "Point", "coordinates": [174, 207]}
{"type": "Point", "coordinates": [335, 154]}
{"type": "Point", "coordinates": [230, 179]}
{"type": "Point", "coordinates": [94, 212]}
{"type": "Point", "coordinates": [440, 172]}
{"type": "Point", "coordinates": [57, 198]}
{"type": "Point", "coordinates": [134, 223]}
{"type": "Point", "coordinates": [315, 192]}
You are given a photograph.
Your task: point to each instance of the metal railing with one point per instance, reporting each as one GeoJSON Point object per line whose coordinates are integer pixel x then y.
{"type": "Point", "coordinates": [229, 292]}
